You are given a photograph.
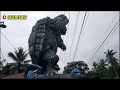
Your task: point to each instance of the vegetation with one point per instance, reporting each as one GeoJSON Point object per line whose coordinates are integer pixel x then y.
{"type": "Point", "coordinates": [19, 57]}
{"type": "Point", "coordinates": [82, 66]}
{"type": "Point", "coordinates": [107, 68]}
{"type": "Point", "coordinates": [1, 66]}
{"type": "Point", "coordinates": [20, 64]}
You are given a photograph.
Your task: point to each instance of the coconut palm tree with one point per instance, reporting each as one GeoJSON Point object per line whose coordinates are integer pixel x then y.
{"type": "Point", "coordinates": [94, 66]}
{"type": "Point", "coordinates": [19, 58]}
{"type": "Point", "coordinates": [102, 63]}
{"type": "Point", "coordinates": [111, 59]}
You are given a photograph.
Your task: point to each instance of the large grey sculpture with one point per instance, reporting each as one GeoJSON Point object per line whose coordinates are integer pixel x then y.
{"type": "Point", "coordinates": [44, 40]}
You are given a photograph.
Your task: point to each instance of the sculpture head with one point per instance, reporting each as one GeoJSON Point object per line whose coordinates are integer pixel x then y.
{"type": "Point", "coordinates": [62, 19]}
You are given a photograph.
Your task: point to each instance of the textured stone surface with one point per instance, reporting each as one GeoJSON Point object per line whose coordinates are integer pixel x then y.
{"type": "Point", "coordinates": [44, 40]}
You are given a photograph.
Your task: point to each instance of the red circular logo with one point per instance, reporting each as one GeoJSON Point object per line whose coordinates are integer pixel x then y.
{"type": "Point", "coordinates": [4, 17]}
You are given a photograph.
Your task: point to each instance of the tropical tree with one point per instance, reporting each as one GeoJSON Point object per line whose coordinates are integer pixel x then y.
{"type": "Point", "coordinates": [102, 63]}
{"type": "Point", "coordinates": [1, 66]}
{"type": "Point", "coordinates": [112, 61]}
{"type": "Point", "coordinates": [19, 57]}
{"type": "Point", "coordinates": [102, 68]}
{"type": "Point", "coordinates": [82, 66]}
{"type": "Point", "coordinates": [108, 68]}
{"type": "Point", "coordinates": [99, 69]}
{"type": "Point", "coordinates": [94, 66]}
{"type": "Point", "coordinates": [6, 70]}
{"type": "Point", "coordinates": [110, 58]}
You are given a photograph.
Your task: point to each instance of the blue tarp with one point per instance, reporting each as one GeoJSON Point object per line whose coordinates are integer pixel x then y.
{"type": "Point", "coordinates": [75, 73]}
{"type": "Point", "coordinates": [30, 75]}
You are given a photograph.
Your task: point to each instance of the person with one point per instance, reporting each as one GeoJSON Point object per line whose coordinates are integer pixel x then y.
{"type": "Point", "coordinates": [32, 71]}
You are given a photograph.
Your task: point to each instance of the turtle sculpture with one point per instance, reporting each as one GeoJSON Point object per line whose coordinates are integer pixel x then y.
{"type": "Point", "coordinates": [44, 41]}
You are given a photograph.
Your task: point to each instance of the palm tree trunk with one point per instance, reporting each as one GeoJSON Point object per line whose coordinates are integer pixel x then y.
{"type": "Point", "coordinates": [115, 72]}
{"type": "Point", "coordinates": [19, 69]}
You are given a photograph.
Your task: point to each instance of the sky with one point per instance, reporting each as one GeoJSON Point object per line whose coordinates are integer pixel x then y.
{"type": "Point", "coordinates": [94, 32]}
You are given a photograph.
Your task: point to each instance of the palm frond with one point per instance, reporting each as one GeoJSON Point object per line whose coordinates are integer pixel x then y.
{"type": "Point", "coordinates": [111, 51]}
{"type": "Point", "coordinates": [27, 61]}
{"type": "Point", "coordinates": [17, 53]}
{"type": "Point", "coordinates": [11, 55]}
{"type": "Point", "coordinates": [21, 55]}
{"type": "Point", "coordinates": [24, 56]}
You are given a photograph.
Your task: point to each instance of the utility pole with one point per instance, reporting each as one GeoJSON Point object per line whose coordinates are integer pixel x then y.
{"type": "Point", "coordinates": [119, 38]}
{"type": "Point", "coordinates": [1, 26]}
{"type": "Point", "coordinates": [0, 37]}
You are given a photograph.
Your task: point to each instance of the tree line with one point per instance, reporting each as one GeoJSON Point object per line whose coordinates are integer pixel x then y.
{"type": "Point", "coordinates": [20, 63]}
{"type": "Point", "coordinates": [108, 68]}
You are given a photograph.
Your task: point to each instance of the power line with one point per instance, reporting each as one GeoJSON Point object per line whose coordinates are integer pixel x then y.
{"type": "Point", "coordinates": [7, 40]}
{"type": "Point", "coordinates": [0, 38]}
{"type": "Point", "coordinates": [67, 31]}
{"type": "Point", "coordinates": [2, 54]}
{"type": "Point", "coordinates": [87, 15]}
{"type": "Point", "coordinates": [105, 33]}
{"type": "Point", "coordinates": [85, 23]}
{"type": "Point", "coordinates": [74, 33]}
{"type": "Point", "coordinates": [68, 28]}
{"type": "Point", "coordinates": [119, 37]}
{"type": "Point", "coordinates": [79, 35]}
{"type": "Point", "coordinates": [63, 55]}
{"type": "Point", "coordinates": [104, 41]}
{"type": "Point", "coordinates": [104, 45]}
{"type": "Point", "coordinates": [109, 37]}
{"type": "Point", "coordinates": [0, 57]}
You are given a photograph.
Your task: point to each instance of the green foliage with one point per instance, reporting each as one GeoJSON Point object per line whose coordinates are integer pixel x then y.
{"type": "Point", "coordinates": [19, 58]}
{"type": "Point", "coordinates": [6, 70]}
{"type": "Point", "coordinates": [82, 66]}
{"type": "Point", "coordinates": [106, 69]}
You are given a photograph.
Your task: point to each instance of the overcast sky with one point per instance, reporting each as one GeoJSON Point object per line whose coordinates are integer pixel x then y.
{"type": "Point", "coordinates": [18, 32]}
